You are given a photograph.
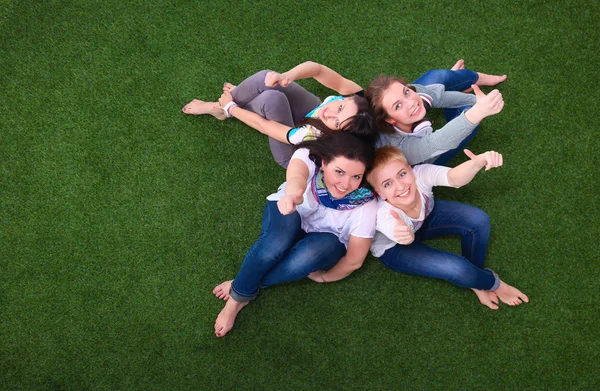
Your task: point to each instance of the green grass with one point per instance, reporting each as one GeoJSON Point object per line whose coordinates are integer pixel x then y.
{"type": "Point", "coordinates": [119, 214]}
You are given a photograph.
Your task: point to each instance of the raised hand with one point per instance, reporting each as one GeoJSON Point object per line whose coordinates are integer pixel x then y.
{"type": "Point", "coordinates": [274, 78]}
{"type": "Point", "coordinates": [489, 159]}
{"type": "Point", "coordinates": [225, 98]}
{"type": "Point", "coordinates": [287, 203]}
{"type": "Point", "coordinates": [402, 232]}
{"type": "Point", "coordinates": [491, 103]}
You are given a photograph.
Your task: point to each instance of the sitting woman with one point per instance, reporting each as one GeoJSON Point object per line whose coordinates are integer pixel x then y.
{"type": "Point", "coordinates": [407, 215]}
{"type": "Point", "coordinates": [276, 106]}
{"type": "Point", "coordinates": [320, 218]}
{"type": "Point", "coordinates": [400, 108]}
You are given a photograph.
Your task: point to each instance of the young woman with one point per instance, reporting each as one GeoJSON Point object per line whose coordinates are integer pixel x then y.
{"type": "Point", "coordinates": [276, 106]}
{"type": "Point", "coordinates": [400, 108]}
{"type": "Point", "coordinates": [320, 218]}
{"type": "Point", "coordinates": [407, 215]}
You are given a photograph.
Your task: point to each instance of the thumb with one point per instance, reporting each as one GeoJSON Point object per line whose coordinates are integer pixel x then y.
{"type": "Point", "coordinates": [397, 217]}
{"type": "Point", "coordinates": [470, 154]}
{"type": "Point", "coordinates": [477, 91]}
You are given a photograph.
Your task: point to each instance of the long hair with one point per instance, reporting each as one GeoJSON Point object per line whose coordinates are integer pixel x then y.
{"type": "Point", "coordinates": [362, 124]}
{"type": "Point", "coordinates": [374, 94]}
{"type": "Point", "coordinates": [340, 144]}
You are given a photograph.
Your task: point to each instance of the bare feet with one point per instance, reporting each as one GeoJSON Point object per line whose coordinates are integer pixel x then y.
{"type": "Point", "coordinates": [487, 298]}
{"type": "Point", "coordinates": [228, 87]}
{"type": "Point", "coordinates": [460, 64]}
{"type": "Point", "coordinates": [510, 295]}
{"type": "Point", "coordinates": [227, 316]}
{"type": "Point", "coordinates": [489, 80]}
{"type": "Point", "coordinates": [198, 107]}
{"type": "Point", "coordinates": [222, 290]}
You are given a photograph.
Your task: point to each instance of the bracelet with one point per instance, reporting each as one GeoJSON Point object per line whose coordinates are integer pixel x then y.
{"type": "Point", "coordinates": [228, 107]}
{"type": "Point", "coordinates": [323, 275]}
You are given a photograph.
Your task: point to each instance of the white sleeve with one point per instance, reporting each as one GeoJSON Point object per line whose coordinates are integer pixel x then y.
{"type": "Point", "coordinates": [303, 154]}
{"type": "Point", "coordinates": [364, 220]}
{"type": "Point", "coordinates": [429, 175]}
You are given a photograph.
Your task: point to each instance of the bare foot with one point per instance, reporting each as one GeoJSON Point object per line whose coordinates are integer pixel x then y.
{"type": "Point", "coordinates": [228, 87]}
{"type": "Point", "coordinates": [510, 295]}
{"type": "Point", "coordinates": [487, 298]}
{"type": "Point", "coordinates": [460, 64]}
{"type": "Point", "coordinates": [198, 107]}
{"type": "Point", "coordinates": [222, 290]}
{"type": "Point", "coordinates": [489, 80]}
{"type": "Point", "coordinates": [227, 316]}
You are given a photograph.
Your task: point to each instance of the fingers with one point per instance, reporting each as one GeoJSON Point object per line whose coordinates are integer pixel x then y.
{"type": "Point", "coordinates": [477, 91]}
{"type": "Point", "coordinates": [470, 154]}
{"type": "Point", "coordinates": [493, 159]}
{"type": "Point", "coordinates": [397, 217]}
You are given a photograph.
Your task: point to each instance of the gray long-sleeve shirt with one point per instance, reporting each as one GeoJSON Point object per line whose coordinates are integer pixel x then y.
{"type": "Point", "coordinates": [425, 146]}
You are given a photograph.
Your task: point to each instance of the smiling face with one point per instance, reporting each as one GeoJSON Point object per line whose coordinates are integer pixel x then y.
{"type": "Point", "coordinates": [342, 176]}
{"type": "Point", "coordinates": [403, 106]}
{"type": "Point", "coordinates": [335, 114]}
{"type": "Point", "coordinates": [395, 183]}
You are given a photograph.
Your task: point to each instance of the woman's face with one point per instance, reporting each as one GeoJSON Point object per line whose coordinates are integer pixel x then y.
{"type": "Point", "coordinates": [342, 176]}
{"type": "Point", "coordinates": [395, 183]}
{"type": "Point", "coordinates": [335, 114]}
{"type": "Point", "coordinates": [403, 106]}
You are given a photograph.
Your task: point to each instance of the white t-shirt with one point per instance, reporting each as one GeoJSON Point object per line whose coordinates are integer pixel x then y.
{"type": "Point", "coordinates": [359, 222]}
{"type": "Point", "coordinates": [426, 176]}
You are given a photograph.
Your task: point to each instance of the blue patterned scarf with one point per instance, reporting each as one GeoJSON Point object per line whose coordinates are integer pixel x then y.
{"type": "Point", "coordinates": [350, 201]}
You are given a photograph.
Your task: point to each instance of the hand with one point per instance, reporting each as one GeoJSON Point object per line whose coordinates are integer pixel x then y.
{"type": "Point", "coordinates": [489, 159]}
{"type": "Point", "coordinates": [287, 203]}
{"type": "Point", "coordinates": [274, 78]}
{"type": "Point", "coordinates": [402, 232]}
{"type": "Point", "coordinates": [317, 276]}
{"type": "Point", "coordinates": [486, 105]}
{"type": "Point", "coordinates": [225, 98]}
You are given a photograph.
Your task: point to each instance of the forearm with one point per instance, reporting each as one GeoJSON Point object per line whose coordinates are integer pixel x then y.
{"type": "Point", "coordinates": [358, 248]}
{"type": "Point", "coordinates": [463, 173]}
{"type": "Point", "coordinates": [270, 128]}
{"type": "Point", "coordinates": [324, 75]}
{"type": "Point", "coordinates": [341, 270]}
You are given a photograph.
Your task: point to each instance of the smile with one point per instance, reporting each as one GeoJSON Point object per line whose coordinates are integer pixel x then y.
{"type": "Point", "coordinates": [415, 110]}
{"type": "Point", "coordinates": [404, 193]}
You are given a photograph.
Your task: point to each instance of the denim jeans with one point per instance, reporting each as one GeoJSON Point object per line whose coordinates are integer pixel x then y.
{"type": "Point", "coordinates": [448, 218]}
{"type": "Point", "coordinates": [453, 81]}
{"type": "Point", "coordinates": [284, 253]}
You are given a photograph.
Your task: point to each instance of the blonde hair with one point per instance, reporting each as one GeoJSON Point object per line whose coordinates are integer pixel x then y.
{"type": "Point", "coordinates": [383, 156]}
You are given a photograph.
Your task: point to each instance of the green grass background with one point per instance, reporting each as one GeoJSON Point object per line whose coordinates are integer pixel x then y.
{"type": "Point", "coordinates": [119, 214]}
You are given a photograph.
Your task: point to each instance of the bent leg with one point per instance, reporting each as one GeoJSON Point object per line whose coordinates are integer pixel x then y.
{"type": "Point", "coordinates": [300, 100]}
{"type": "Point", "coordinates": [455, 218]}
{"type": "Point", "coordinates": [422, 260]}
{"type": "Point", "coordinates": [278, 234]}
{"type": "Point", "coordinates": [453, 80]}
{"type": "Point", "coordinates": [274, 105]}
{"type": "Point", "coordinates": [316, 251]}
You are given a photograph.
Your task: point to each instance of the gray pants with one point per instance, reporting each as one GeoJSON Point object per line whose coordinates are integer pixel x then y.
{"type": "Point", "coordinates": [287, 106]}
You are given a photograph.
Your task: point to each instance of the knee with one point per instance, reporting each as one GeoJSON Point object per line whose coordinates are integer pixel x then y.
{"type": "Point", "coordinates": [480, 219]}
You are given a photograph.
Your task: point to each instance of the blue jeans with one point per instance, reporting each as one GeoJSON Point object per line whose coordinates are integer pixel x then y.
{"type": "Point", "coordinates": [448, 218]}
{"type": "Point", "coordinates": [458, 80]}
{"type": "Point", "coordinates": [284, 253]}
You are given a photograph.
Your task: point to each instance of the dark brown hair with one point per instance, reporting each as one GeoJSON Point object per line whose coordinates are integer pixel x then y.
{"type": "Point", "coordinates": [374, 94]}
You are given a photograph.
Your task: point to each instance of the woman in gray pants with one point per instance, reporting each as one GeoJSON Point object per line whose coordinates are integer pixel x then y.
{"type": "Point", "coordinates": [275, 105]}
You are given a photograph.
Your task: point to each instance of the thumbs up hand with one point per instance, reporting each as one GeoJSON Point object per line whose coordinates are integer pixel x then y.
{"type": "Point", "coordinates": [402, 232]}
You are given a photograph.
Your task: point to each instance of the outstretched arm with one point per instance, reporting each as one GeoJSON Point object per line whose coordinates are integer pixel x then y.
{"type": "Point", "coordinates": [296, 176]}
{"type": "Point", "coordinates": [358, 248]}
{"type": "Point", "coordinates": [465, 172]}
{"type": "Point", "coordinates": [324, 75]}
{"type": "Point", "coordinates": [270, 128]}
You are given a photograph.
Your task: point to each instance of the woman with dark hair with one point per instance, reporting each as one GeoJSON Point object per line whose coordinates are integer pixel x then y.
{"type": "Point", "coordinates": [275, 105]}
{"type": "Point", "coordinates": [400, 109]}
{"type": "Point", "coordinates": [321, 218]}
